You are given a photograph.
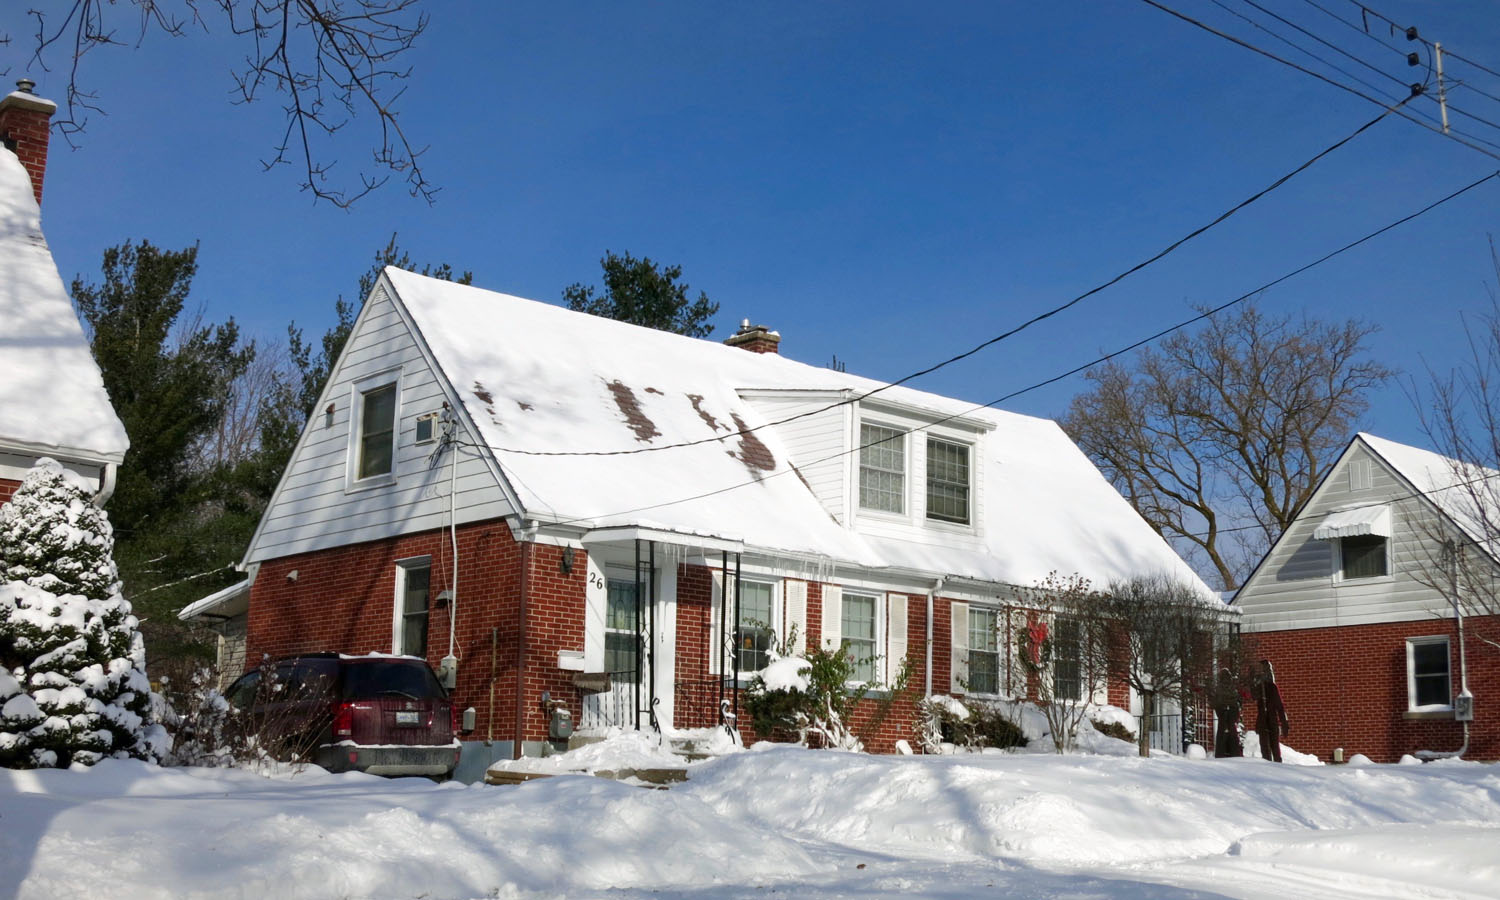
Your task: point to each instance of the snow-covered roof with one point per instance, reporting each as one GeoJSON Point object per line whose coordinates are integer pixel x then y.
{"type": "Point", "coordinates": [52, 396]}
{"type": "Point", "coordinates": [537, 378]}
{"type": "Point", "coordinates": [1450, 485]}
{"type": "Point", "coordinates": [229, 601]}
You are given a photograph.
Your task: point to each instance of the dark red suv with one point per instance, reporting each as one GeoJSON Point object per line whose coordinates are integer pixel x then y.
{"type": "Point", "coordinates": [386, 715]}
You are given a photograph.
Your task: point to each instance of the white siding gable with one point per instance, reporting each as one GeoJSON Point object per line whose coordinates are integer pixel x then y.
{"type": "Point", "coordinates": [316, 506]}
{"type": "Point", "coordinates": [816, 440]}
{"type": "Point", "coordinates": [1298, 584]}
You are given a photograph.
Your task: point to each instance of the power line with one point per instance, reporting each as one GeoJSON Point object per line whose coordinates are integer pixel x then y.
{"type": "Point", "coordinates": [1321, 77]}
{"type": "Point", "coordinates": [1004, 335]}
{"type": "Point", "coordinates": [1105, 358]}
{"type": "Point", "coordinates": [1418, 37]}
{"type": "Point", "coordinates": [1326, 11]}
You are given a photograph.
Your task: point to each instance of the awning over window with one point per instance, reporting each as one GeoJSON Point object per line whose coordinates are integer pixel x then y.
{"type": "Point", "coordinates": [1361, 520]}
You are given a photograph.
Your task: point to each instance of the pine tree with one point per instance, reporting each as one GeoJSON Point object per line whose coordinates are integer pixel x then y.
{"type": "Point", "coordinates": [642, 292]}
{"type": "Point", "coordinates": [75, 688]}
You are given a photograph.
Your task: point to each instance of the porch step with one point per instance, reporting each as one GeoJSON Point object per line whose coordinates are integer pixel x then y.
{"type": "Point", "coordinates": [583, 740]}
{"type": "Point", "coordinates": [510, 776]}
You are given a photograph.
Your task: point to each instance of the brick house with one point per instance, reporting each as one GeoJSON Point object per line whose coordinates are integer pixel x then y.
{"type": "Point", "coordinates": [52, 397]}
{"type": "Point", "coordinates": [552, 508]}
{"type": "Point", "coordinates": [1350, 606]}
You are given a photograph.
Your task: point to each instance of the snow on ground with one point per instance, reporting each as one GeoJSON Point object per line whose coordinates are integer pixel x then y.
{"type": "Point", "coordinates": [773, 820]}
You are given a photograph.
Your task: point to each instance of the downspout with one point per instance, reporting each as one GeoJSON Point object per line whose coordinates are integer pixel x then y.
{"type": "Point", "coordinates": [521, 642]}
{"type": "Point", "coordinates": [106, 484]}
{"type": "Point", "coordinates": [937, 586]}
{"type": "Point", "coordinates": [1451, 551]}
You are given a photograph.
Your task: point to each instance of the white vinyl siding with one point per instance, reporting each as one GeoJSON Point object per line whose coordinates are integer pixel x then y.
{"type": "Point", "coordinates": [816, 440]}
{"type": "Point", "coordinates": [312, 508]}
{"type": "Point", "coordinates": [1300, 583]}
{"type": "Point", "coordinates": [882, 468]}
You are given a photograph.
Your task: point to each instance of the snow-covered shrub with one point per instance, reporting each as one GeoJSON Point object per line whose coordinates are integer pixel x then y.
{"type": "Point", "coordinates": [814, 696]}
{"type": "Point", "coordinates": [1116, 730]}
{"type": "Point", "coordinates": [972, 724]}
{"type": "Point", "coordinates": [67, 636]}
{"type": "Point", "coordinates": [199, 720]}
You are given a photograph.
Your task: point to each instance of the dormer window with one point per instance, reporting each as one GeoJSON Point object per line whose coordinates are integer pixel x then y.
{"type": "Point", "coordinates": [947, 481]}
{"type": "Point", "coordinates": [882, 469]}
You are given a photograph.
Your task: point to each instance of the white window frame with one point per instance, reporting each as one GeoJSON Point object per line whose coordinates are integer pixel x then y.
{"type": "Point", "coordinates": [927, 515]}
{"type": "Point", "coordinates": [1001, 657]}
{"type": "Point", "coordinates": [357, 392]}
{"type": "Point", "coordinates": [398, 608]}
{"type": "Point", "coordinates": [901, 434]}
{"type": "Point", "coordinates": [776, 616]}
{"type": "Point", "coordinates": [1411, 672]}
{"type": "Point", "coordinates": [432, 420]}
{"type": "Point", "coordinates": [878, 598]}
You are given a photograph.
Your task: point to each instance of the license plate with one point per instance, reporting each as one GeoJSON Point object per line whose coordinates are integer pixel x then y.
{"type": "Point", "coordinates": [408, 718]}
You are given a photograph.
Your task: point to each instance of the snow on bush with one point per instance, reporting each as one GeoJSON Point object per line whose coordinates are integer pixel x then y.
{"type": "Point", "coordinates": [75, 688]}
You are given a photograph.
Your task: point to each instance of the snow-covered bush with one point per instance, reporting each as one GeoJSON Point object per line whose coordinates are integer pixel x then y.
{"type": "Point", "coordinates": [199, 720]}
{"type": "Point", "coordinates": [971, 724]}
{"type": "Point", "coordinates": [76, 688]}
{"type": "Point", "coordinates": [814, 696]}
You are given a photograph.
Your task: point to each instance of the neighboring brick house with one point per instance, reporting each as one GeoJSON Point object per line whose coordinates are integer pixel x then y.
{"type": "Point", "coordinates": [1348, 607]}
{"type": "Point", "coordinates": [52, 397]}
{"type": "Point", "coordinates": [474, 460]}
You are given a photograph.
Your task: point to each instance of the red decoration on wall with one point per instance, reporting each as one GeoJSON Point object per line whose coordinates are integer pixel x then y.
{"type": "Point", "coordinates": [1037, 631]}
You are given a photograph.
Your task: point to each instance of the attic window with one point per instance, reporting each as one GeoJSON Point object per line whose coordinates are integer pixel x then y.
{"type": "Point", "coordinates": [427, 428]}
{"type": "Point", "coordinates": [375, 409]}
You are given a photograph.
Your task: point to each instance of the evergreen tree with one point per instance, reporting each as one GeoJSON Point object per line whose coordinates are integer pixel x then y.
{"type": "Point", "coordinates": [76, 687]}
{"type": "Point", "coordinates": [642, 292]}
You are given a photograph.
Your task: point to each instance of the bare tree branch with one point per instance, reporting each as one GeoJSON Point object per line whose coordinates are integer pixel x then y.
{"type": "Point", "coordinates": [1234, 423]}
{"type": "Point", "coordinates": [333, 61]}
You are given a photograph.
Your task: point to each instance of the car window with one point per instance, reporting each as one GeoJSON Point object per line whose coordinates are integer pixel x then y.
{"type": "Point", "coordinates": [369, 680]}
{"type": "Point", "coordinates": [242, 692]}
{"type": "Point", "coordinates": [313, 677]}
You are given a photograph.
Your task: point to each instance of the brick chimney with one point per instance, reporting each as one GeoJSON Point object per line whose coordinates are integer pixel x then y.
{"type": "Point", "coordinates": [755, 338]}
{"type": "Point", "coordinates": [24, 127]}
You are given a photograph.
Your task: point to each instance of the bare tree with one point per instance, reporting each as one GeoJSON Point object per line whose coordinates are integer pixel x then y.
{"type": "Point", "coordinates": [1234, 423]}
{"type": "Point", "coordinates": [1055, 650]}
{"type": "Point", "coordinates": [1461, 417]}
{"type": "Point", "coordinates": [238, 434]}
{"type": "Point", "coordinates": [1161, 639]}
{"type": "Point", "coordinates": [330, 60]}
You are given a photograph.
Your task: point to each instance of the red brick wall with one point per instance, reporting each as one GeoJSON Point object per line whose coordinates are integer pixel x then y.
{"type": "Point", "coordinates": [1346, 687]}
{"type": "Point", "coordinates": [344, 599]}
{"type": "Point", "coordinates": [29, 130]}
{"type": "Point", "coordinates": [8, 489]}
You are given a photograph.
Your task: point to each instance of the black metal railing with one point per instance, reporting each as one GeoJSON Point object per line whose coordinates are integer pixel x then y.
{"type": "Point", "coordinates": [699, 704]}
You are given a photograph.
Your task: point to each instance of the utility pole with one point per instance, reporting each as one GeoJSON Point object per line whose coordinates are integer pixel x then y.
{"type": "Point", "coordinates": [1437, 52]}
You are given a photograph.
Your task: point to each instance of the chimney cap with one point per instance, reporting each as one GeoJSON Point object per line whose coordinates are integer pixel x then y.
{"type": "Point", "coordinates": [25, 85]}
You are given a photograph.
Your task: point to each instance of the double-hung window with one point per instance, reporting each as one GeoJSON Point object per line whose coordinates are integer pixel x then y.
{"type": "Point", "coordinates": [752, 633]}
{"type": "Point", "coordinates": [984, 651]}
{"type": "Point", "coordinates": [372, 445]}
{"type": "Point", "coordinates": [947, 481]}
{"type": "Point", "coordinates": [1067, 668]}
{"type": "Point", "coordinates": [413, 589]}
{"type": "Point", "coordinates": [882, 468]}
{"type": "Point", "coordinates": [1428, 676]}
{"type": "Point", "coordinates": [858, 630]}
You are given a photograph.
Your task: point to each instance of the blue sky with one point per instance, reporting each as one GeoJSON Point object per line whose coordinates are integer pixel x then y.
{"type": "Point", "coordinates": [887, 183]}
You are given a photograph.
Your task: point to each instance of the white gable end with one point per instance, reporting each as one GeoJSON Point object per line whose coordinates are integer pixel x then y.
{"type": "Point", "coordinates": [321, 502]}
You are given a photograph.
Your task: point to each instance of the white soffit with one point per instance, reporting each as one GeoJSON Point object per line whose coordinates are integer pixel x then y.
{"type": "Point", "coordinates": [1361, 520]}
